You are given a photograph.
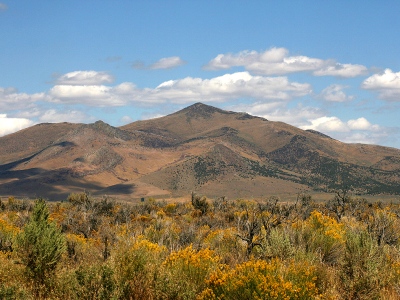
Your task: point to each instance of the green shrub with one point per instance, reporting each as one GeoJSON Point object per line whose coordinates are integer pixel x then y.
{"type": "Point", "coordinates": [200, 203]}
{"type": "Point", "coordinates": [95, 282]}
{"type": "Point", "coordinates": [364, 270]}
{"type": "Point", "coordinates": [39, 247]}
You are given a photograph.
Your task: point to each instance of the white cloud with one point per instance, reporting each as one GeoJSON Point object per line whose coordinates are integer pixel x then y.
{"type": "Point", "coordinates": [278, 111]}
{"type": "Point", "coordinates": [10, 125]}
{"type": "Point", "coordinates": [11, 99]}
{"type": "Point", "coordinates": [229, 87]}
{"type": "Point", "coordinates": [334, 93]}
{"type": "Point", "coordinates": [126, 120]}
{"type": "Point", "coordinates": [387, 79]}
{"type": "Point", "coordinates": [387, 84]}
{"type": "Point", "coordinates": [271, 62]}
{"type": "Point", "coordinates": [85, 78]}
{"type": "Point", "coordinates": [71, 116]}
{"type": "Point", "coordinates": [168, 63]}
{"type": "Point", "coordinates": [327, 124]}
{"type": "Point", "coordinates": [3, 6]}
{"type": "Point", "coordinates": [362, 124]}
{"type": "Point", "coordinates": [186, 90]}
{"type": "Point", "coordinates": [218, 89]}
{"type": "Point", "coordinates": [148, 116]}
{"type": "Point", "coordinates": [341, 70]}
{"type": "Point", "coordinates": [31, 113]}
{"type": "Point", "coordinates": [276, 61]}
{"type": "Point", "coordinates": [91, 95]}
{"type": "Point", "coordinates": [365, 137]}
{"type": "Point", "coordinates": [331, 124]}
{"type": "Point", "coordinates": [353, 131]}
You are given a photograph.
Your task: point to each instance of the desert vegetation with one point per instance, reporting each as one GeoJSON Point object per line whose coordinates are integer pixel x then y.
{"type": "Point", "coordinates": [86, 248]}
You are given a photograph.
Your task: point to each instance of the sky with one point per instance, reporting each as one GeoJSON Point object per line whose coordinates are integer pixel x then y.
{"type": "Point", "coordinates": [331, 66]}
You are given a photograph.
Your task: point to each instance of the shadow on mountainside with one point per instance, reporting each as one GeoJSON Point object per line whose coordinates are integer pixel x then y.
{"type": "Point", "coordinates": [117, 189]}
{"type": "Point", "coordinates": [54, 185]}
{"type": "Point", "coordinates": [8, 166]}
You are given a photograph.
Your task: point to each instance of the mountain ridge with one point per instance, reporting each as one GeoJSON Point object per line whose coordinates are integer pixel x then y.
{"type": "Point", "coordinates": [200, 148]}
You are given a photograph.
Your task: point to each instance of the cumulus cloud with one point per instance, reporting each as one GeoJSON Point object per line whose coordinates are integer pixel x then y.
{"type": "Point", "coordinates": [335, 124]}
{"type": "Point", "coordinates": [335, 93]}
{"type": "Point", "coordinates": [186, 90]}
{"type": "Point", "coordinates": [10, 125]}
{"type": "Point", "coordinates": [327, 124]}
{"type": "Point", "coordinates": [228, 87]}
{"type": "Point", "coordinates": [387, 84]}
{"type": "Point", "coordinates": [341, 70]}
{"type": "Point", "coordinates": [11, 99]}
{"type": "Point", "coordinates": [353, 131]}
{"type": "Point", "coordinates": [3, 6]}
{"type": "Point", "coordinates": [85, 78]}
{"type": "Point", "coordinates": [91, 95]}
{"type": "Point", "coordinates": [365, 137]}
{"type": "Point", "coordinates": [31, 113]}
{"type": "Point", "coordinates": [163, 63]}
{"type": "Point", "coordinates": [148, 116]}
{"type": "Point", "coordinates": [86, 88]}
{"type": "Point", "coordinates": [72, 116]}
{"type": "Point", "coordinates": [278, 111]}
{"type": "Point", "coordinates": [271, 62]}
{"type": "Point", "coordinates": [276, 61]}
{"type": "Point", "coordinates": [125, 120]}
{"type": "Point", "coordinates": [168, 63]}
{"type": "Point", "coordinates": [362, 124]}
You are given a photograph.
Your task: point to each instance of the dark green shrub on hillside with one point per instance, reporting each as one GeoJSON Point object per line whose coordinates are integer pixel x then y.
{"type": "Point", "coordinates": [39, 247]}
{"type": "Point", "coordinates": [200, 203]}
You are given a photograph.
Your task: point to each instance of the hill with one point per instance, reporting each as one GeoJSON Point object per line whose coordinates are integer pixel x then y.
{"type": "Point", "coordinates": [202, 148]}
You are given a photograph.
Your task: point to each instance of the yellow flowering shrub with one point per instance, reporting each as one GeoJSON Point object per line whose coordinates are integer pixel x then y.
{"type": "Point", "coordinates": [143, 244]}
{"type": "Point", "coordinates": [77, 239]}
{"type": "Point", "coordinates": [326, 225]}
{"type": "Point", "coordinates": [58, 214]}
{"type": "Point", "coordinates": [259, 279]}
{"type": "Point", "coordinates": [170, 208]}
{"type": "Point", "coordinates": [186, 271]}
{"type": "Point", "coordinates": [323, 236]}
{"type": "Point", "coordinates": [191, 262]}
{"type": "Point", "coordinates": [136, 266]}
{"type": "Point", "coordinates": [84, 250]}
{"type": "Point", "coordinates": [7, 233]}
{"type": "Point", "coordinates": [164, 231]}
{"type": "Point", "coordinates": [226, 244]}
{"type": "Point", "coordinates": [7, 228]}
{"type": "Point", "coordinates": [160, 214]}
{"type": "Point", "coordinates": [12, 280]}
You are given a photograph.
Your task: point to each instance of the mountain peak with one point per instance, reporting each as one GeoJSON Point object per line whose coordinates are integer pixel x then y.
{"type": "Point", "coordinates": [106, 129]}
{"type": "Point", "coordinates": [200, 110]}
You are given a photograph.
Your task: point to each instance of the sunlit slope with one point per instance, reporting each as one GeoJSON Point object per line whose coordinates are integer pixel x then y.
{"type": "Point", "coordinates": [200, 148]}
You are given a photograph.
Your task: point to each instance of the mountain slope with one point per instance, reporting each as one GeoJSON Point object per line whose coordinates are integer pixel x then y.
{"type": "Point", "coordinates": [199, 148]}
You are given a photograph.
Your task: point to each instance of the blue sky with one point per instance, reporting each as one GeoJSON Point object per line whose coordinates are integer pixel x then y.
{"type": "Point", "coordinates": [332, 66]}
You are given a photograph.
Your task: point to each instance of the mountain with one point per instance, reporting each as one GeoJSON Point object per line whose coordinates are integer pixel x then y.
{"type": "Point", "coordinates": [201, 148]}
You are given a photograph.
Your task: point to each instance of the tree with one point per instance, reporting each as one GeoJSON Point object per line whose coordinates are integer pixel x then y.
{"type": "Point", "coordinates": [40, 246]}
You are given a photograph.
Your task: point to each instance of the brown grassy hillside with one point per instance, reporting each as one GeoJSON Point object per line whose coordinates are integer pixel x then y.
{"type": "Point", "coordinates": [200, 148]}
